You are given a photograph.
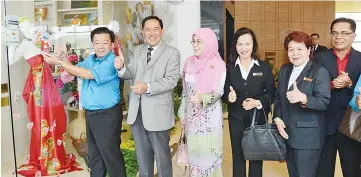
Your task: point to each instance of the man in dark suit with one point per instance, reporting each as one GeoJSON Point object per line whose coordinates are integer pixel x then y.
{"type": "Point", "coordinates": [302, 96]}
{"type": "Point", "coordinates": [344, 67]}
{"type": "Point", "coordinates": [317, 47]}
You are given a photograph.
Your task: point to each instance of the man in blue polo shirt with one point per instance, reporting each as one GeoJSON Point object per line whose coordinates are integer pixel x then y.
{"type": "Point", "coordinates": [100, 97]}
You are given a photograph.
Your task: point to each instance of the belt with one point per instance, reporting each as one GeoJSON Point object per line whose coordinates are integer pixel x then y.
{"type": "Point", "coordinates": [100, 111]}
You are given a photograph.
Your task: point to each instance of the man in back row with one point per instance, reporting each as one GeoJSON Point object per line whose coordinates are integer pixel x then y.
{"type": "Point", "coordinates": [316, 46]}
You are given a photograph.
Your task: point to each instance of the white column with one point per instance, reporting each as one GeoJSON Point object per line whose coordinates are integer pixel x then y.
{"type": "Point", "coordinates": [188, 21]}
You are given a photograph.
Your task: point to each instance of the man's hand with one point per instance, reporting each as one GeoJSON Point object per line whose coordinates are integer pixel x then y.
{"type": "Point", "coordinates": [61, 53]}
{"type": "Point", "coordinates": [342, 81]}
{"type": "Point", "coordinates": [250, 103]}
{"type": "Point", "coordinates": [296, 95]}
{"type": "Point", "coordinates": [281, 127]}
{"type": "Point", "coordinates": [139, 88]}
{"type": "Point", "coordinates": [196, 99]}
{"type": "Point", "coordinates": [51, 59]}
{"type": "Point", "coordinates": [232, 96]}
{"type": "Point", "coordinates": [358, 98]}
{"type": "Point", "coordinates": [119, 61]}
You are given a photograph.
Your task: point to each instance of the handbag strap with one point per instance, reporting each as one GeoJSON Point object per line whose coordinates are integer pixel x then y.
{"type": "Point", "coordinates": [182, 136]}
{"type": "Point", "coordinates": [264, 113]}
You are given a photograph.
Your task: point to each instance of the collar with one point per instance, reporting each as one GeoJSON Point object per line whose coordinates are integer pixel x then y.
{"type": "Point", "coordinates": [103, 58]}
{"type": "Point", "coordinates": [347, 54]}
{"type": "Point", "coordinates": [254, 62]}
{"type": "Point", "coordinates": [155, 47]}
{"type": "Point", "coordinates": [302, 66]}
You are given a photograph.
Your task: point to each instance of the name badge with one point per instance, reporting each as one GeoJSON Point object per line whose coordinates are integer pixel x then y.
{"type": "Point", "coordinates": [257, 74]}
{"type": "Point", "coordinates": [307, 79]}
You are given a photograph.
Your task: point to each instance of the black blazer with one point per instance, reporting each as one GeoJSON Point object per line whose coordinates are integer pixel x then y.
{"type": "Point", "coordinates": [305, 125]}
{"type": "Point", "coordinates": [340, 98]}
{"type": "Point", "coordinates": [320, 48]}
{"type": "Point", "coordinates": [259, 85]}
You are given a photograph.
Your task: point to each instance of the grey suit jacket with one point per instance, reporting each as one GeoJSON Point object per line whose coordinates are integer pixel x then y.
{"type": "Point", "coordinates": [162, 74]}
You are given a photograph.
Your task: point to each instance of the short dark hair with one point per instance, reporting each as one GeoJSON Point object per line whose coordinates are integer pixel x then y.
{"type": "Point", "coordinates": [233, 53]}
{"type": "Point", "coordinates": [315, 34]}
{"type": "Point", "coordinates": [102, 30]}
{"type": "Point", "coordinates": [298, 36]}
{"type": "Point", "coordinates": [152, 18]}
{"type": "Point", "coordinates": [346, 20]}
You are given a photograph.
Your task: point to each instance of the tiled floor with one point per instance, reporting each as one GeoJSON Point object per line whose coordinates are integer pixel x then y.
{"type": "Point", "coordinates": [270, 169]}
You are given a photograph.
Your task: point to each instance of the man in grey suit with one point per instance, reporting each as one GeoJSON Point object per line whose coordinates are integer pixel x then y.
{"type": "Point", "coordinates": [153, 72]}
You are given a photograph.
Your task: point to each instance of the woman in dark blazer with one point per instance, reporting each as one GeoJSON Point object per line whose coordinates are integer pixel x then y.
{"type": "Point", "coordinates": [249, 85]}
{"type": "Point", "coordinates": [302, 96]}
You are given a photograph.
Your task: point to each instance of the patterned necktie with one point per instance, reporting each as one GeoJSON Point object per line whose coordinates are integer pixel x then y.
{"type": "Point", "coordinates": [149, 55]}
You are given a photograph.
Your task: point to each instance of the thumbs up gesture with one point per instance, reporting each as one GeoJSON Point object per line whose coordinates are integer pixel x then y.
{"type": "Point", "coordinates": [358, 98]}
{"type": "Point", "coordinates": [232, 96]}
{"type": "Point", "coordinates": [119, 61]}
{"type": "Point", "coordinates": [296, 96]}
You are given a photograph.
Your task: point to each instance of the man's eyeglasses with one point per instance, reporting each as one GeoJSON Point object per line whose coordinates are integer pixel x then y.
{"type": "Point", "coordinates": [341, 34]}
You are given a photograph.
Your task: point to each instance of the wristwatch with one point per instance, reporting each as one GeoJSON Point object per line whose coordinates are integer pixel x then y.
{"type": "Point", "coordinates": [349, 84]}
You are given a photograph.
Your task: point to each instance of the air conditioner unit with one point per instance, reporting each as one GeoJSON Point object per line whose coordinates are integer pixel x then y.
{"type": "Point", "coordinates": [175, 2]}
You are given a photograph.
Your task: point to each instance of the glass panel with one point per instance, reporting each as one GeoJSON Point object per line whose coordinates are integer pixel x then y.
{"type": "Point", "coordinates": [358, 31]}
{"type": "Point", "coordinates": [357, 46]}
{"type": "Point", "coordinates": [338, 15]}
{"type": "Point", "coordinates": [56, 24]}
{"type": "Point", "coordinates": [356, 16]}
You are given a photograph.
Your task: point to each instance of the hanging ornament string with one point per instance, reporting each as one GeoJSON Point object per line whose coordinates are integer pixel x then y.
{"type": "Point", "coordinates": [42, 37]}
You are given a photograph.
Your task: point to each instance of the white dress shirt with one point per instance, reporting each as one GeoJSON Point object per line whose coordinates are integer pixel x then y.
{"type": "Point", "coordinates": [296, 71]}
{"type": "Point", "coordinates": [245, 72]}
{"type": "Point", "coordinates": [315, 47]}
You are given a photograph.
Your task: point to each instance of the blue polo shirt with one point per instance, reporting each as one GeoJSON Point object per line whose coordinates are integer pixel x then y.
{"type": "Point", "coordinates": [103, 91]}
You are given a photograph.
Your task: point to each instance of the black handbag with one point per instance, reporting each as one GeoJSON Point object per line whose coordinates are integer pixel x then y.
{"type": "Point", "coordinates": [263, 142]}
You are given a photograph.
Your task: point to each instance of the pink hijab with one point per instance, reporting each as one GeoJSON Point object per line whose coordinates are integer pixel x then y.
{"type": "Point", "coordinates": [208, 67]}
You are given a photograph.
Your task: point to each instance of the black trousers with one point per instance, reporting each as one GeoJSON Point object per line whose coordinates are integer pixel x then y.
{"type": "Point", "coordinates": [302, 162]}
{"type": "Point", "coordinates": [103, 134]}
{"type": "Point", "coordinates": [236, 128]}
{"type": "Point", "coordinates": [350, 156]}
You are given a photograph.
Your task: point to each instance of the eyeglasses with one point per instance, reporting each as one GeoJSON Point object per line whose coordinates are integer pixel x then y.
{"type": "Point", "coordinates": [342, 34]}
{"type": "Point", "coordinates": [196, 42]}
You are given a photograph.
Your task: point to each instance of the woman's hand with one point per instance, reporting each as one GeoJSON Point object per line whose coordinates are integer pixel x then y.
{"type": "Point", "coordinates": [281, 127]}
{"type": "Point", "coordinates": [250, 103]}
{"type": "Point", "coordinates": [196, 99]}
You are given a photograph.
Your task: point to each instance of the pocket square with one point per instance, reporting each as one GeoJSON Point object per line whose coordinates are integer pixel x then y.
{"type": "Point", "coordinates": [257, 74]}
{"type": "Point", "coordinates": [307, 79]}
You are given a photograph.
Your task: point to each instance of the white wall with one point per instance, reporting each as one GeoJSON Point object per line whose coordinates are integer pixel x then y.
{"type": "Point", "coordinates": [18, 73]}
{"type": "Point", "coordinates": [180, 22]}
{"type": "Point", "coordinates": [187, 24]}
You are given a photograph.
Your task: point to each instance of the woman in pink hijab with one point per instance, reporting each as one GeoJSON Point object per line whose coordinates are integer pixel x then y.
{"type": "Point", "coordinates": [203, 77]}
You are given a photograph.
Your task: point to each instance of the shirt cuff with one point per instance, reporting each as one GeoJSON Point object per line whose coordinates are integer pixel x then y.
{"type": "Point", "coordinates": [121, 72]}
{"type": "Point", "coordinates": [260, 105]}
{"type": "Point", "coordinates": [148, 90]}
